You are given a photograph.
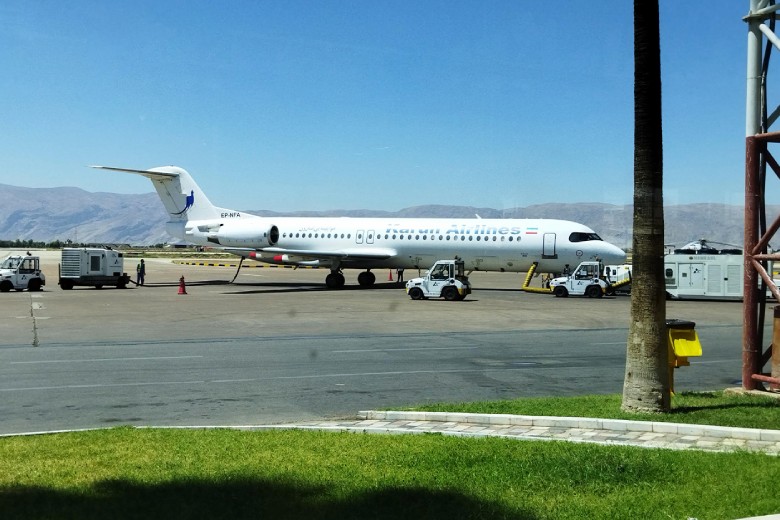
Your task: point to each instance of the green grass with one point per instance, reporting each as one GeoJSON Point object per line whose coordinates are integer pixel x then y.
{"type": "Point", "coordinates": [717, 408]}
{"type": "Point", "coordinates": [158, 473]}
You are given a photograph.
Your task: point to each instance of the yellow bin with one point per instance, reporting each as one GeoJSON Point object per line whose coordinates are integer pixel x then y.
{"type": "Point", "coordinates": [683, 342]}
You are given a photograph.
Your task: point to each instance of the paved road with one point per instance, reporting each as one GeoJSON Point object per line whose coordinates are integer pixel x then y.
{"type": "Point", "coordinates": [275, 347]}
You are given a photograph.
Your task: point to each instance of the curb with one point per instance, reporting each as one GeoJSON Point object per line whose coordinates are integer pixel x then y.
{"type": "Point", "coordinates": [728, 432]}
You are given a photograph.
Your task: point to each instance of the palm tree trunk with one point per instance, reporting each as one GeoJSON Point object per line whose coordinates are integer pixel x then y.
{"type": "Point", "coordinates": [646, 386]}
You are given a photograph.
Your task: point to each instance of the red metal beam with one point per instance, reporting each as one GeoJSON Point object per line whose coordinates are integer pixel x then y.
{"type": "Point", "coordinates": [765, 379]}
{"type": "Point", "coordinates": [750, 347]}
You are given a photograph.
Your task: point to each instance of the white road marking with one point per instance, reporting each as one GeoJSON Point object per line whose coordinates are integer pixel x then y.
{"type": "Point", "coordinates": [98, 360]}
{"type": "Point", "coordinates": [74, 387]}
{"type": "Point", "coordinates": [252, 380]}
{"type": "Point", "coordinates": [400, 349]}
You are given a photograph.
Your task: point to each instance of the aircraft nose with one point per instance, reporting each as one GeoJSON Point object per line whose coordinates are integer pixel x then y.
{"type": "Point", "coordinates": [614, 255]}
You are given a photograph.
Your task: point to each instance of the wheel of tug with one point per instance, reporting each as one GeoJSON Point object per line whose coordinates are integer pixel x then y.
{"type": "Point", "coordinates": [334, 281]}
{"type": "Point", "coordinates": [593, 291]}
{"type": "Point", "coordinates": [560, 292]}
{"type": "Point", "coordinates": [450, 294]}
{"type": "Point", "coordinates": [415, 293]}
{"type": "Point", "coordinates": [34, 285]}
{"type": "Point", "coordinates": [366, 279]}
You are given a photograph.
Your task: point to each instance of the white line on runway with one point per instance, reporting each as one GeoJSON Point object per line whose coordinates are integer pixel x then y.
{"type": "Point", "coordinates": [82, 387]}
{"type": "Point", "coordinates": [99, 360]}
{"type": "Point", "coordinates": [401, 349]}
{"type": "Point", "coordinates": [364, 374]}
{"type": "Point", "coordinates": [275, 378]}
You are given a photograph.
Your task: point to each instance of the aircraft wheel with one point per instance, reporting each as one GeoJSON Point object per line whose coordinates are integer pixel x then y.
{"type": "Point", "coordinates": [366, 279]}
{"type": "Point", "coordinates": [450, 294]}
{"type": "Point", "coordinates": [415, 293]}
{"type": "Point", "coordinates": [560, 292]}
{"type": "Point", "coordinates": [334, 281]}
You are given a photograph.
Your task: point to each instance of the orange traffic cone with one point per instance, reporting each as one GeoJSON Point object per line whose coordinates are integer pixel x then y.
{"type": "Point", "coordinates": [390, 275]}
{"type": "Point", "coordinates": [182, 287]}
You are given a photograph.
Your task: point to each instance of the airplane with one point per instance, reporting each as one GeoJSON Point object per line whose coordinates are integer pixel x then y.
{"type": "Point", "coordinates": [505, 245]}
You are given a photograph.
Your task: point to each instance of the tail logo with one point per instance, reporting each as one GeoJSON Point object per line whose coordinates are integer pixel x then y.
{"type": "Point", "coordinates": [188, 204]}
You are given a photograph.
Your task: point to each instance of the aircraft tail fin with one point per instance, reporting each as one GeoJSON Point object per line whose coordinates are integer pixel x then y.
{"type": "Point", "coordinates": [182, 197]}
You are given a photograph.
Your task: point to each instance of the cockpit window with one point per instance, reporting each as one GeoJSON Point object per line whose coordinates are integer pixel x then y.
{"type": "Point", "coordinates": [583, 237]}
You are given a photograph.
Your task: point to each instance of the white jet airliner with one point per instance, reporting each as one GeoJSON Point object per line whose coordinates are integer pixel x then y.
{"type": "Point", "coordinates": [506, 245]}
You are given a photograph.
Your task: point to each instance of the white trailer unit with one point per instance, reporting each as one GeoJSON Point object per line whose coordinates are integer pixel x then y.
{"type": "Point", "coordinates": [704, 276]}
{"type": "Point", "coordinates": [92, 267]}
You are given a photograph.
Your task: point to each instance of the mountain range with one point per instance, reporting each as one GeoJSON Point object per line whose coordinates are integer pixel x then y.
{"type": "Point", "coordinates": [48, 214]}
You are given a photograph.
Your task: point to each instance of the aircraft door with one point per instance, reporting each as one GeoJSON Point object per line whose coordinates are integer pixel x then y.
{"type": "Point", "coordinates": [359, 236]}
{"type": "Point", "coordinates": [370, 236]}
{"type": "Point", "coordinates": [548, 246]}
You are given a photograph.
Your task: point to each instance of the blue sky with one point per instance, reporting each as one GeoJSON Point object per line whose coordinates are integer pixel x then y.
{"type": "Point", "coordinates": [305, 105]}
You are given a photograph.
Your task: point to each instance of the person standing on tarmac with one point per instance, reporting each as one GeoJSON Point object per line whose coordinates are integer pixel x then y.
{"type": "Point", "coordinates": [140, 272]}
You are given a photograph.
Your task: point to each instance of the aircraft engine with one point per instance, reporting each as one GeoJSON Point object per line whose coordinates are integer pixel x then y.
{"type": "Point", "coordinates": [244, 234]}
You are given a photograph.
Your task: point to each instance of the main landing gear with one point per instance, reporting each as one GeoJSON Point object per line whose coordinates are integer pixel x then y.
{"type": "Point", "coordinates": [366, 279]}
{"type": "Point", "coordinates": [335, 280]}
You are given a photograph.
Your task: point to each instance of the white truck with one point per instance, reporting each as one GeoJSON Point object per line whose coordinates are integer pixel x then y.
{"type": "Point", "coordinates": [93, 267]}
{"type": "Point", "coordinates": [704, 276]}
{"type": "Point", "coordinates": [446, 279]}
{"type": "Point", "coordinates": [21, 272]}
{"type": "Point", "coordinates": [586, 280]}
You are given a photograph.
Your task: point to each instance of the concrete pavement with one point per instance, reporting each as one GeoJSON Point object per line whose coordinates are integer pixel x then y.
{"type": "Point", "coordinates": [612, 432]}
{"type": "Point", "coordinates": [573, 429]}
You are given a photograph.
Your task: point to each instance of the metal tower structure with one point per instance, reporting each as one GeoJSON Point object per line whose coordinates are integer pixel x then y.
{"type": "Point", "coordinates": [757, 277]}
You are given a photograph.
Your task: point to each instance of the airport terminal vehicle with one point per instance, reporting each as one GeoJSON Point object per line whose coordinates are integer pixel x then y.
{"type": "Point", "coordinates": [445, 279]}
{"type": "Point", "coordinates": [584, 281]}
{"type": "Point", "coordinates": [93, 267]}
{"type": "Point", "coordinates": [21, 272]}
{"type": "Point", "coordinates": [506, 245]}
